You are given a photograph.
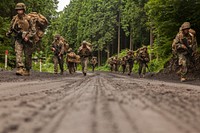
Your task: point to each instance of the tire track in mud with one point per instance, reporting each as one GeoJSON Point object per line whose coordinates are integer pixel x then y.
{"type": "Point", "coordinates": [27, 89]}
{"type": "Point", "coordinates": [33, 113]}
{"type": "Point", "coordinates": [102, 121]}
{"type": "Point", "coordinates": [69, 104]}
{"type": "Point", "coordinates": [148, 94]}
{"type": "Point", "coordinates": [91, 111]}
{"type": "Point", "coordinates": [127, 125]}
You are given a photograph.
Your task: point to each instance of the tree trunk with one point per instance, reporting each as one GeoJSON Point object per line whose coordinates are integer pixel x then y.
{"type": "Point", "coordinates": [119, 31]}
{"type": "Point", "coordinates": [99, 58]}
{"type": "Point", "coordinates": [108, 52]}
{"type": "Point", "coordinates": [131, 47]}
{"type": "Point", "coordinates": [151, 41]}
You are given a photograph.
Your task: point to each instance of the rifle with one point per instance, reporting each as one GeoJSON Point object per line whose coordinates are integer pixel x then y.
{"type": "Point", "coordinates": [57, 52]}
{"type": "Point", "coordinates": [189, 49]}
{"type": "Point", "coordinates": [19, 35]}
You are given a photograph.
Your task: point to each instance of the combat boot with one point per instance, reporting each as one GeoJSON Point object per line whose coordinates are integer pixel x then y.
{"type": "Point", "coordinates": [26, 73]}
{"type": "Point", "coordinates": [20, 71]}
{"type": "Point", "coordinates": [84, 73]}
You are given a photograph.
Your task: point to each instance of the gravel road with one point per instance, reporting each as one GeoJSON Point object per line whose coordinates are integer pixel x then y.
{"type": "Point", "coordinates": [97, 103]}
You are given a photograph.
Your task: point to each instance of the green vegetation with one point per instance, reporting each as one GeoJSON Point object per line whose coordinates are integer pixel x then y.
{"type": "Point", "coordinates": [97, 21]}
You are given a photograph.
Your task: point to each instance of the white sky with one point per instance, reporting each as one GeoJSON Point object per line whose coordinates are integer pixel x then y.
{"type": "Point", "coordinates": [62, 4]}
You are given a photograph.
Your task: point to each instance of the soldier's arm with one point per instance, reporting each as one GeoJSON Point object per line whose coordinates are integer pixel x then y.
{"type": "Point", "coordinates": [79, 50]}
{"type": "Point", "coordinates": [10, 31]}
{"type": "Point", "coordinates": [178, 43]}
{"type": "Point", "coordinates": [52, 46]}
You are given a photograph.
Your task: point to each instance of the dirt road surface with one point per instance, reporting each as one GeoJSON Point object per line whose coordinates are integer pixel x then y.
{"type": "Point", "coordinates": [97, 103]}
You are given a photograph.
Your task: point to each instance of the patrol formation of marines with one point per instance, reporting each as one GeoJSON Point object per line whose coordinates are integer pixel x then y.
{"type": "Point", "coordinates": [127, 61]}
{"type": "Point", "coordinates": [28, 33]}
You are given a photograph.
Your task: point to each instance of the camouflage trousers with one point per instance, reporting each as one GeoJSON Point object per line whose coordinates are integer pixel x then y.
{"type": "Point", "coordinates": [93, 67]}
{"type": "Point", "coordinates": [130, 67]}
{"type": "Point", "coordinates": [71, 67]}
{"type": "Point", "coordinates": [116, 67]}
{"type": "Point", "coordinates": [26, 50]}
{"type": "Point", "coordinates": [84, 64]}
{"type": "Point", "coordinates": [142, 68]}
{"type": "Point", "coordinates": [58, 60]}
{"type": "Point", "coordinates": [183, 62]}
{"type": "Point", "coordinates": [124, 68]}
{"type": "Point", "coordinates": [111, 67]}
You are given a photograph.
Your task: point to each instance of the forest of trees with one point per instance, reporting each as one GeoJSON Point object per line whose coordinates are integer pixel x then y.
{"type": "Point", "coordinates": [109, 25]}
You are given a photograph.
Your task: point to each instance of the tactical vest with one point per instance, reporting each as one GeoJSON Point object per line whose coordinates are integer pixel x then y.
{"type": "Point", "coordinates": [21, 24]}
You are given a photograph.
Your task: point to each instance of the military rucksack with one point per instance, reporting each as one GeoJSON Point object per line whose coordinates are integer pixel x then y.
{"type": "Point", "coordinates": [41, 23]}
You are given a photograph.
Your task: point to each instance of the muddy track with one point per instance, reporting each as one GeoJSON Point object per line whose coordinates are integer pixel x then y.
{"type": "Point", "coordinates": [175, 104]}
{"type": "Point", "coordinates": [98, 103]}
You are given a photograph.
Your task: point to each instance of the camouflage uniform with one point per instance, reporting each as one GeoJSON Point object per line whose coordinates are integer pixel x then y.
{"type": "Point", "coordinates": [130, 61]}
{"type": "Point", "coordinates": [93, 62]}
{"type": "Point", "coordinates": [58, 49]}
{"type": "Point", "coordinates": [24, 29]}
{"type": "Point", "coordinates": [85, 52]}
{"type": "Point", "coordinates": [111, 63]}
{"type": "Point", "coordinates": [143, 59]}
{"type": "Point", "coordinates": [180, 48]}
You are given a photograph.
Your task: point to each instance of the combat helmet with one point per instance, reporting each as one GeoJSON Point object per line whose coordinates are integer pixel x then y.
{"type": "Point", "coordinates": [84, 42]}
{"type": "Point", "coordinates": [185, 25]}
{"type": "Point", "coordinates": [20, 6]}
{"type": "Point", "coordinates": [70, 50]}
{"type": "Point", "coordinates": [57, 36]}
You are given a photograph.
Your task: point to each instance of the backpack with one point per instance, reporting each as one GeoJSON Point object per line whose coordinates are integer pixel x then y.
{"type": "Point", "coordinates": [41, 23]}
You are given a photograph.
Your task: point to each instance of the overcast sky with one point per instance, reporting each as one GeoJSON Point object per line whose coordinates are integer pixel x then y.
{"type": "Point", "coordinates": [62, 4]}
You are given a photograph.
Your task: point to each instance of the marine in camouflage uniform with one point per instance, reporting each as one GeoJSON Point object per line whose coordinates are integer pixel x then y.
{"type": "Point", "coordinates": [93, 62]}
{"type": "Point", "coordinates": [185, 46]}
{"type": "Point", "coordinates": [85, 52]}
{"type": "Point", "coordinates": [24, 29]}
{"type": "Point", "coordinates": [130, 60]}
{"type": "Point", "coordinates": [143, 59]}
{"type": "Point", "coordinates": [58, 49]}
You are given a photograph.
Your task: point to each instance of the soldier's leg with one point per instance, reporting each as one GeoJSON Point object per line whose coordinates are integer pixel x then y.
{"type": "Point", "coordinates": [115, 67]}
{"type": "Point", "coordinates": [143, 69]}
{"type": "Point", "coordinates": [73, 67]}
{"type": "Point", "coordinates": [140, 68]}
{"type": "Point", "coordinates": [183, 68]}
{"type": "Point", "coordinates": [19, 57]}
{"type": "Point", "coordinates": [122, 68]}
{"type": "Point", "coordinates": [110, 67]}
{"type": "Point", "coordinates": [70, 65]}
{"type": "Point", "coordinates": [28, 50]}
{"type": "Point", "coordinates": [130, 68]}
{"type": "Point", "coordinates": [86, 64]}
{"type": "Point", "coordinates": [93, 67]}
{"type": "Point", "coordinates": [61, 62]}
{"type": "Point", "coordinates": [82, 64]}
{"type": "Point", "coordinates": [55, 61]}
